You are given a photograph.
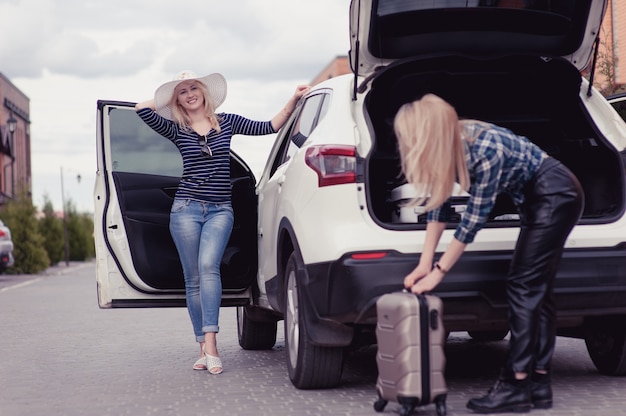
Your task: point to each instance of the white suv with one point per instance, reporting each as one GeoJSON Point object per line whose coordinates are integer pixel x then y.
{"type": "Point", "coordinates": [321, 236]}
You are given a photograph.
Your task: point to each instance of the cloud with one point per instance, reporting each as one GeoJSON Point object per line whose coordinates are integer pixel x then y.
{"type": "Point", "coordinates": [245, 38]}
{"type": "Point", "coordinates": [141, 43]}
{"type": "Point", "coordinates": [67, 54]}
{"type": "Point", "coordinates": [79, 55]}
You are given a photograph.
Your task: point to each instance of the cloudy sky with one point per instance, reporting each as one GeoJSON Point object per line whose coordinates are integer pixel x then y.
{"type": "Point", "coordinates": [66, 54]}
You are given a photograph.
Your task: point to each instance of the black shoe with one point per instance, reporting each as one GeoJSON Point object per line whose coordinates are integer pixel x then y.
{"type": "Point", "coordinates": [541, 391]}
{"type": "Point", "coordinates": [505, 396]}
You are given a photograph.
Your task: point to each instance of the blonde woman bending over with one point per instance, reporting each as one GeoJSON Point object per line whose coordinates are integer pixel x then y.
{"type": "Point", "coordinates": [437, 150]}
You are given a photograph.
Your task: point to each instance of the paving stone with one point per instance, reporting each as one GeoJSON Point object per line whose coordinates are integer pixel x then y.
{"type": "Point", "coordinates": [62, 355]}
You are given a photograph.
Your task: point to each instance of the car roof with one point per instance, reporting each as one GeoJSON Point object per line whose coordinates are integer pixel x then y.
{"type": "Point", "coordinates": [384, 31]}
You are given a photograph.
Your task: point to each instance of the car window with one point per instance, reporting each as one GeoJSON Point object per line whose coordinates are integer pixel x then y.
{"type": "Point", "coordinates": [313, 110]}
{"type": "Point", "coordinates": [136, 148]}
{"type": "Point", "coordinates": [294, 135]}
{"type": "Point", "coordinates": [620, 106]}
{"type": "Point", "coordinates": [564, 8]}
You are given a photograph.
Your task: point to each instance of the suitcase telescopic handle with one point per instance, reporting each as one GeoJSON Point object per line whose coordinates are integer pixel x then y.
{"type": "Point", "coordinates": [433, 315]}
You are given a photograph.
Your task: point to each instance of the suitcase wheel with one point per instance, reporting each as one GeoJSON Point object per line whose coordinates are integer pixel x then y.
{"type": "Point", "coordinates": [379, 405]}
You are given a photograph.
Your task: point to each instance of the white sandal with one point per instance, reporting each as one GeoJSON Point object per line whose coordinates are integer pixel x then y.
{"type": "Point", "coordinates": [200, 364]}
{"type": "Point", "coordinates": [213, 364]}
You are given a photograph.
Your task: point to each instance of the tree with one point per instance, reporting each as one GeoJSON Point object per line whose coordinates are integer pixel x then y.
{"type": "Point", "coordinates": [606, 66]}
{"type": "Point", "coordinates": [51, 228]}
{"type": "Point", "coordinates": [80, 234]}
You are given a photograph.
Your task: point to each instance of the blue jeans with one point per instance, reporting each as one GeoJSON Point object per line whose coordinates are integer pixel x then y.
{"type": "Point", "coordinates": [200, 231]}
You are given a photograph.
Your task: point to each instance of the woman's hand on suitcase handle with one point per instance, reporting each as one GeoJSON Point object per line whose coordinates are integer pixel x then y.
{"type": "Point", "coordinates": [427, 283]}
{"type": "Point", "coordinates": [425, 277]}
{"type": "Point", "coordinates": [418, 273]}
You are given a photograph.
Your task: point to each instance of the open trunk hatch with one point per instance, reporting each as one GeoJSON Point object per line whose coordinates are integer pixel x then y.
{"type": "Point", "coordinates": [382, 31]}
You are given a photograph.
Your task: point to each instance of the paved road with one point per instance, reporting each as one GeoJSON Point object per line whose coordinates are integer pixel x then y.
{"type": "Point", "coordinates": [61, 355]}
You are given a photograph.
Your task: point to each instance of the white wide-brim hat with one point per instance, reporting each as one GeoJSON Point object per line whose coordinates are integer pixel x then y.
{"type": "Point", "coordinates": [216, 84]}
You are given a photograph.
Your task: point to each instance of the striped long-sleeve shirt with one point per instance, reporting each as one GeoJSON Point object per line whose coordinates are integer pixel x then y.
{"type": "Point", "coordinates": [498, 161]}
{"type": "Point", "coordinates": [205, 179]}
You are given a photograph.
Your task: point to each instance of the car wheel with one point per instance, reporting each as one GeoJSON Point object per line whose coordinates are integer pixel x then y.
{"type": "Point", "coordinates": [606, 343]}
{"type": "Point", "coordinates": [488, 336]}
{"type": "Point", "coordinates": [254, 334]}
{"type": "Point", "coordinates": [309, 366]}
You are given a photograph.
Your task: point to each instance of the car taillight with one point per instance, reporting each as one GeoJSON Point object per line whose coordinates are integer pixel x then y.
{"type": "Point", "coordinates": [2, 233]}
{"type": "Point", "coordinates": [334, 165]}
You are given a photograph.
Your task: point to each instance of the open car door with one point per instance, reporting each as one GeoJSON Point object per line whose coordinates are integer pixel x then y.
{"type": "Point", "coordinates": [137, 177]}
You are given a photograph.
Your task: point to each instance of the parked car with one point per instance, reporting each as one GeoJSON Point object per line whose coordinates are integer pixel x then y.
{"type": "Point", "coordinates": [6, 248]}
{"type": "Point", "coordinates": [318, 239]}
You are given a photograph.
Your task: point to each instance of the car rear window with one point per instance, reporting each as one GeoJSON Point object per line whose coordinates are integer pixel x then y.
{"type": "Point", "coordinates": [564, 8]}
{"type": "Point", "coordinates": [402, 28]}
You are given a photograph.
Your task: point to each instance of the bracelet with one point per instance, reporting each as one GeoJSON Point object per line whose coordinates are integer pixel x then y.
{"type": "Point", "coordinates": [438, 267]}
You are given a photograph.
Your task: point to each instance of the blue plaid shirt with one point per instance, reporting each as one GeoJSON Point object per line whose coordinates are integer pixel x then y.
{"type": "Point", "coordinates": [498, 161]}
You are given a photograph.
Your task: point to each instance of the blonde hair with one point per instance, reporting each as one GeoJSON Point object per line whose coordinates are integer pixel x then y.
{"type": "Point", "coordinates": [431, 150]}
{"type": "Point", "coordinates": [180, 116]}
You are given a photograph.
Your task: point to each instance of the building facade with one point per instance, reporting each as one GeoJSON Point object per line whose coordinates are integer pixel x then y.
{"type": "Point", "coordinates": [611, 66]}
{"type": "Point", "coordinates": [15, 150]}
{"type": "Point", "coordinates": [338, 66]}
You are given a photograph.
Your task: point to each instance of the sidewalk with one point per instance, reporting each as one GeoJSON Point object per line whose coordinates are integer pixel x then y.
{"type": "Point", "coordinates": [10, 281]}
{"type": "Point", "coordinates": [63, 268]}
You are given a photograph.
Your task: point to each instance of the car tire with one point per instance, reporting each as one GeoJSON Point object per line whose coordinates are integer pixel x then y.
{"type": "Point", "coordinates": [254, 334]}
{"type": "Point", "coordinates": [488, 336]}
{"type": "Point", "coordinates": [309, 366]}
{"type": "Point", "coordinates": [606, 343]}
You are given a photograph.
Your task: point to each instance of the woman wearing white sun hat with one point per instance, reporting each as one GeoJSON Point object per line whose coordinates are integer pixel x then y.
{"type": "Point", "coordinates": [201, 218]}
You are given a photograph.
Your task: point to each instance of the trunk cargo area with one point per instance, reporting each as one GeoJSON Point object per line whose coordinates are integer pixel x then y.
{"type": "Point", "coordinates": [533, 97]}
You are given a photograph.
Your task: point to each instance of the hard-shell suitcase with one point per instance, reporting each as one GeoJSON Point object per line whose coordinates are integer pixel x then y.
{"type": "Point", "coordinates": [410, 358]}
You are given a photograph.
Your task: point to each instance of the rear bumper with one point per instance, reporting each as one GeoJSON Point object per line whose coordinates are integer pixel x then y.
{"type": "Point", "coordinates": [344, 292]}
{"type": "Point", "coordinates": [6, 260]}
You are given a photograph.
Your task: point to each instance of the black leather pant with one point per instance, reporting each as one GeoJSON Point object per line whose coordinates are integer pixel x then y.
{"type": "Point", "coordinates": [553, 206]}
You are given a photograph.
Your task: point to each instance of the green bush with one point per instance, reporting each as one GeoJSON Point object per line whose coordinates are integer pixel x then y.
{"type": "Point", "coordinates": [51, 228]}
{"type": "Point", "coordinates": [80, 234]}
{"type": "Point", "coordinates": [30, 256]}
{"type": "Point", "coordinates": [41, 243]}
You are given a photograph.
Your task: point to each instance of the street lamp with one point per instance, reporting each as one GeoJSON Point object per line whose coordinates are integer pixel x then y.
{"type": "Point", "coordinates": [12, 125]}
{"type": "Point", "coordinates": [65, 233]}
